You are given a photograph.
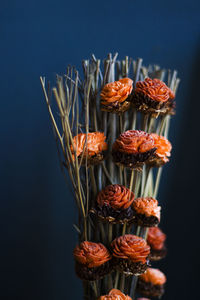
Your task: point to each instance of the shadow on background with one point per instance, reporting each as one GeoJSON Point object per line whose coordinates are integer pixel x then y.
{"type": "Point", "coordinates": [181, 213]}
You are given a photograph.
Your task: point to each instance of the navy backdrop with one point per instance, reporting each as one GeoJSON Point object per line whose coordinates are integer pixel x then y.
{"type": "Point", "coordinates": [37, 212]}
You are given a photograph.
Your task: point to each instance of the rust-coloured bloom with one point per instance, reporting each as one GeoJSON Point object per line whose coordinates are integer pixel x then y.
{"type": "Point", "coordinates": [116, 91]}
{"type": "Point", "coordinates": [154, 276]}
{"type": "Point", "coordinates": [91, 254]}
{"type": "Point", "coordinates": [117, 196]}
{"type": "Point", "coordinates": [163, 147]}
{"type": "Point", "coordinates": [131, 247]}
{"type": "Point", "coordinates": [147, 206]}
{"type": "Point", "coordinates": [115, 294]}
{"type": "Point", "coordinates": [95, 144]}
{"type": "Point", "coordinates": [155, 89]}
{"type": "Point", "coordinates": [134, 141]}
{"type": "Point", "coordinates": [156, 238]}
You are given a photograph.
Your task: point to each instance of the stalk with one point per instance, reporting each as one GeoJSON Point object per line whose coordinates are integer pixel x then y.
{"type": "Point", "coordinates": [116, 279]}
{"type": "Point", "coordinates": [158, 177]}
{"type": "Point", "coordinates": [122, 282]}
{"type": "Point", "coordinates": [133, 286]}
{"type": "Point", "coordinates": [110, 233]}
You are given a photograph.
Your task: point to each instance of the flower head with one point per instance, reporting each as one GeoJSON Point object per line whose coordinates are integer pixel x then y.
{"type": "Point", "coordinates": [117, 196]}
{"type": "Point", "coordinates": [116, 91]}
{"type": "Point", "coordinates": [147, 206]}
{"type": "Point", "coordinates": [95, 144]}
{"type": "Point", "coordinates": [115, 294]}
{"type": "Point", "coordinates": [134, 141]}
{"type": "Point", "coordinates": [155, 89]}
{"type": "Point", "coordinates": [131, 247]}
{"type": "Point", "coordinates": [91, 254]}
{"type": "Point", "coordinates": [163, 146]}
{"type": "Point", "coordinates": [156, 238]}
{"type": "Point", "coordinates": [154, 276]}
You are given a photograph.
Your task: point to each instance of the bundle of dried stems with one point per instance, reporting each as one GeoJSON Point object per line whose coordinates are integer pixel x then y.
{"type": "Point", "coordinates": [79, 107]}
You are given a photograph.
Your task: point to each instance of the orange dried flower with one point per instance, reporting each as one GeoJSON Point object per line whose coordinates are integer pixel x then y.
{"type": "Point", "coordinates": [91, 254]}
{"type": "Point", "coordinates": [147, 206]}
{"type": "Point", "coordinates": [156, 238]}
{"type": "Point", "coordinates": [134, 141]}
{"type": "Point", "coordinates": [117, 196]}
{"type": "Point", "coordinates": [155, 89]}
{"type": "Point", "coordinates": [95, 144]}
{"type": "Point", "coordinates": [115, 295]}
{"type": "Point", "coordinates": [163, 146]}
{"type": "Point", "coordinates": [154, 276]}
{"type": "Point", "coordinates": [116, 91]}
{"type": "Point", "coordinates": [131, 247]}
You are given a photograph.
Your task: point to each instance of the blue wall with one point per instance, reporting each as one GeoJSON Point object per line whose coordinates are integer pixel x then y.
{"type": "Point", "coordinates": [41, 38]}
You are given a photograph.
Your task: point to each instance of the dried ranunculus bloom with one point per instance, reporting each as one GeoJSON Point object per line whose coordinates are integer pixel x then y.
{"type": "Point", "coordinates": [114, 95]}
{"type": "Point", "coordinates": [117, 196]}
{"type": "Point", "coordinates": [115, 294]}
{"type": "Point", "coordinates": [151, 283]}
{"type": "Point", "coordinates": [131, 247]}
{"type": "Point", "coordinates": [92, 261]}
{"type": "Point", "coordinates": [113, 204]}
{"type": "Point", "coordinates": [117, 91]}
{"type": "Point", "coordinates": [155, 276]}
{"type": "Point", "coordinates": [91, 254]}
{"type": "Point", "coordinates": [163, 150]}
{"type": "Point", "coordinates": [93, 146]}
{"type": "Point", "coordinates": [156, 238]}
{"type": "Point", "coordinates": [147, 211]}
{"type": "Point", "coordinates": [134, 141]}
{"type": "Point", "coordinates": [155, 89]}
{"type": "Point", "coordinates": [133, 147]}
{"type": "Point", "coordinates": [153, 96]}
{"type": "Point", "coordinates": [130, 253]}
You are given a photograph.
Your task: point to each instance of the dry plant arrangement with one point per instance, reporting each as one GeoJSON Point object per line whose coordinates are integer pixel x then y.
{"type": "Point", "coordinates": [111, 127]}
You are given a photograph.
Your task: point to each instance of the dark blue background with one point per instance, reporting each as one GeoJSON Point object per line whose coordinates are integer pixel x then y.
{"type": "Point", "coordinates": [37, 212]}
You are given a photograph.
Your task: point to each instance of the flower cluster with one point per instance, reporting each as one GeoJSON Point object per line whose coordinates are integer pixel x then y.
{"type": "Point", "coordinates": [116, 203]}
{"type": "Point", "coordinates": [133, 148]}
{"type": "Point", "coordinates": [112, 134]}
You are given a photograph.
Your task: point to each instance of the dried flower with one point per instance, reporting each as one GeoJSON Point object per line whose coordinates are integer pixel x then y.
{"type": "Point", "coordinates": [154, 97]}
{"type": "Point", "coordinates": [156, 238]}
{"type": "Point", "coordinates": [134, 141]}
{"type": "Point", "coordinates": [132, 148]}
{"type": "Point", "coordinates": [155, 89]}
{"type": "Point", "coordinates": [163, 150]}
{"type": "Point", "coordinates": [117, 196]}
{"type": "Point", "coordinates": [147, 206]}
{"type": "Point", "coordinates": [115, 294]}
{"type": "Point", "coordinates": [151, 283]}
{"type": "Point", "coordinates": [113, 204]}
{"type": "Point", "coordinates": [116, 91]}
{"type": "Point", "coordinates": [95, 144]}
{"type": "Point", "coordinates": [91, 254]}
{"type": "Point", "coordinates": [131, 247]}
{"type": "Point", "coordinates": [154, 276]}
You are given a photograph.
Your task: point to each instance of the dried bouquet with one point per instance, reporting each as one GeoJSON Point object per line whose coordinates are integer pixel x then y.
{"type": "Point", "coordinates": [112, 128]}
